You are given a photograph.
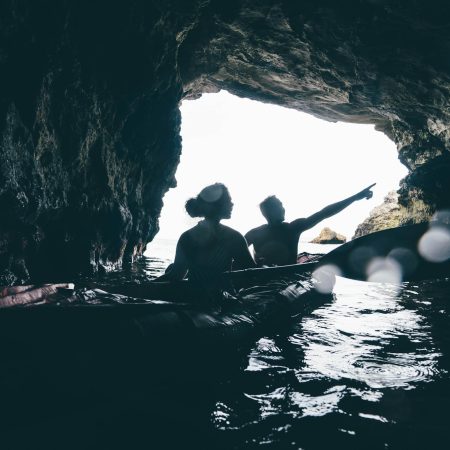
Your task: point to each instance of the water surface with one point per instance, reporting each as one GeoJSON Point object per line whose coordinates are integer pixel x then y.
{"type": "Point", "coordinates": [367, 369]}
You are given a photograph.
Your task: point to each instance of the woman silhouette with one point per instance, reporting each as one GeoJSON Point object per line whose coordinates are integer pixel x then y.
{"type": "Point", "coordinates": [209, 248]}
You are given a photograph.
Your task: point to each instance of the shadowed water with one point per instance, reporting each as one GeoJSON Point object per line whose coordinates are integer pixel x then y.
{"type": "Point", "coordinates": [367, 369]}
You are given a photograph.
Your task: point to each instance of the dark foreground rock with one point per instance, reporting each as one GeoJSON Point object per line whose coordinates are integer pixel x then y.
{"type": "Point", "coordinates": [89, 118]}
{"type": "Point", "coordinates": [328, 236]}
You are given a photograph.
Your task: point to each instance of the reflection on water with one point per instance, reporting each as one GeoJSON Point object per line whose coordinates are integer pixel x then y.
{"type": "Point", "coordinates": [367, 335]}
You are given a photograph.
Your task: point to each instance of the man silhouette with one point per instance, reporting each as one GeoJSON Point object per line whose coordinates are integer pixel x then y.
{"type": "Point", "coordinates": [275, 243]}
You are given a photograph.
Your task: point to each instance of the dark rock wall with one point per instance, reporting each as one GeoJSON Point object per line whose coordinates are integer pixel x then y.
{"type": "Point", "coordinates": [89, 125]}
{"type": "Point", "coordinates": [89, 119]}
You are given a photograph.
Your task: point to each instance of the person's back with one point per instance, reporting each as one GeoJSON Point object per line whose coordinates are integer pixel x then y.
{"type": "Point", "coordinates": [275, 243]}
{"type": "Point", "coordinates": [209, 248]}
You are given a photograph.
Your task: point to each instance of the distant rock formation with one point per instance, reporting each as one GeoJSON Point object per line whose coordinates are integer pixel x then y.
{"type": "Point", "coordinates": [328, 236]}
{"type": "Point", "coordinates": [387, 215]}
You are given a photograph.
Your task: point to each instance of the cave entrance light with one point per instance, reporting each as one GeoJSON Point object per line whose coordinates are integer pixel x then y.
{"type": "Point", "coordinates": [259, 149]}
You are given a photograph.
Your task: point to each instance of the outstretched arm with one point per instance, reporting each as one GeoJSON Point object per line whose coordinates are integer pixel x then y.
{"type": "Point", "coordinates": [332, 209]}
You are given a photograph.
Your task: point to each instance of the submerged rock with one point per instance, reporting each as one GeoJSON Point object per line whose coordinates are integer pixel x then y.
{"type": "Point", "coordinates": [328, 236]}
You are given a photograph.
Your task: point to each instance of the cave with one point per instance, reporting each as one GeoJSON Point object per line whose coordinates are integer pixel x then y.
{"type": "Point", "coordinates": [90, 120]}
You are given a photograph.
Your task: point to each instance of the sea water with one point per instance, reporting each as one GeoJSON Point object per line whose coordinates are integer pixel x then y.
{"type": "Point", "coordinates": [367, 370]}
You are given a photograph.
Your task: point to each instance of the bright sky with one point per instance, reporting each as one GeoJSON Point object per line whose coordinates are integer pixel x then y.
{"type": "Point", "coordinates": [258, 149]}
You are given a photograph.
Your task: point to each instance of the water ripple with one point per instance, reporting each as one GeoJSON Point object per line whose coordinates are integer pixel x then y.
{"type": "Point", "coordinates": [354, 337]}
{"type": "Point", "coordinates": [356, 368]}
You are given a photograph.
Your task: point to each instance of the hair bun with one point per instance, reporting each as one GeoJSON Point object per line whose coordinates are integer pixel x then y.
{"type": "Point", "coordinates": [193, 208]}
{"type": "Point", "coordinates": [213, 201]}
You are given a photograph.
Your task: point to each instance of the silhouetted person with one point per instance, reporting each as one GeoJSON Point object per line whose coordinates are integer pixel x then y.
{"type": "Point", "coordinates": [209, 248]}
{"type": "Point", "coordinates": [275, 243]}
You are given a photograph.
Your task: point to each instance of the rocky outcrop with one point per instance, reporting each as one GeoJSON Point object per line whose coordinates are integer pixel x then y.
{"type": "Point", "coordinates": [328, 236]}
{"type": "Point", "coordinates": [89, 132]}
{"type": "Point", "coordinates": [387, 215]}
{"type": "Point", "coordinates": [89, 119]}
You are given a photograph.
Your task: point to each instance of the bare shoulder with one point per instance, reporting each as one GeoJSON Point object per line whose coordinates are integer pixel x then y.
{"type": "Point", "coordinates": [188, 234]}
{"type": "Point", "coordinates": [299, 222]}
{"type": "Point", "coordinates": [233, 236]}
{"type": "Point", "coordinates": [257, 230]}
{"type": "Point", "coordinates": [231, 232]}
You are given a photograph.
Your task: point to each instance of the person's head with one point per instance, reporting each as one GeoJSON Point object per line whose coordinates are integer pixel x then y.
{"type": "Point", "coordinates": [272, 209]}
{"type": "Point", "coordinates": [213, 202]}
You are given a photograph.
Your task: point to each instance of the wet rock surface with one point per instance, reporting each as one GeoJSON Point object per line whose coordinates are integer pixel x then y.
{"type": "Point", "coordinates": [89, 117]}
{"type": "Point", "coordinates": [89, 125]}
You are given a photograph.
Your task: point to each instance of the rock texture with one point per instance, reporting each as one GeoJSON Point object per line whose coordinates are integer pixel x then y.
{"type": "Point", "coordinates": [89, 119]}
{"type": "Point", "coordinates": [387, 215]}
{"type": "Point", "coordinates": [89, 132]}
{"type": "Point", "coordinates": [328, 236]}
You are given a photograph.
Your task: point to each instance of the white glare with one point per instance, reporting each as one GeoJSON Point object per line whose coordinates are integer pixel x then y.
{"type": "Point", "coordinates": [360, 258]}
{"type": "Point", "coordinates": [212, 194]}
{"type": "Point", "coordinates": [384, 270]}
{"type": "Point", "coordinates": [325, 278]}
{"type": "Point", "coordinates": [406, 258]}
{"type": "Point", "coordinates": [441, 218]}
{"type": "Point", "coordinates": [434, 245]}
{"type": "Point", "coordinates": [257, 149]}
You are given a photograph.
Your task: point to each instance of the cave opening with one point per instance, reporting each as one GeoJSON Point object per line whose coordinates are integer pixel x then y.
{"type": "Point", "coordinates": [259, 149]}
